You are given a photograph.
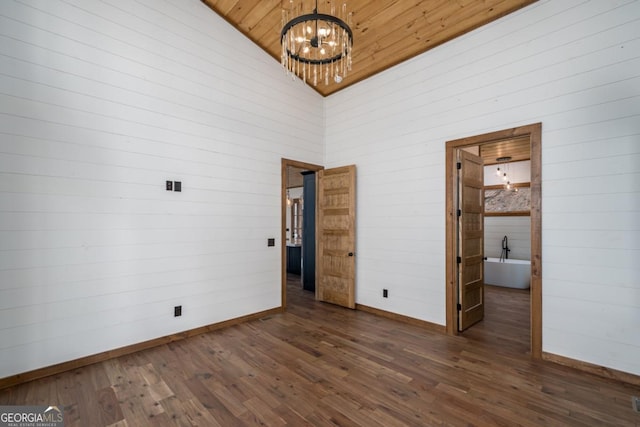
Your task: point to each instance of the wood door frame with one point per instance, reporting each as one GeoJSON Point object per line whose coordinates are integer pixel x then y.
{"type": "Point", "coordinates": [283, 214]}
{"type": "Point", "coordinates": [534, 132]}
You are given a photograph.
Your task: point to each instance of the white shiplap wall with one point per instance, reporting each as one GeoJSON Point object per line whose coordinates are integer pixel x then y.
{"type": "Point", "coordinates": [100, 103]}
{"type": "Point", "coordinates": [518, 232]}
{"type": "Point", "coordinates": [575, 67]}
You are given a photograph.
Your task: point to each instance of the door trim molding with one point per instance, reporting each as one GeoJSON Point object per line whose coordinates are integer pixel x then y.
{"type": "Point", "coordinates": [534, 132]}
{"type": "Point", "coordinates": [283, 220]}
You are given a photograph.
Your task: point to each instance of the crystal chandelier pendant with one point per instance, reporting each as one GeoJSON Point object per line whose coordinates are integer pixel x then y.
{"type": "Point", "coordinates": [316, 45]}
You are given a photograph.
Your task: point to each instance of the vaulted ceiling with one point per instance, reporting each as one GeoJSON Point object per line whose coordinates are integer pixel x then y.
{"type": "Point", "coordinates": [385, 32]}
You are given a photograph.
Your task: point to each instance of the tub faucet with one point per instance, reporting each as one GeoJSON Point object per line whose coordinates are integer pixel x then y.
{"type": "Point", "coordinates": [505, 249]}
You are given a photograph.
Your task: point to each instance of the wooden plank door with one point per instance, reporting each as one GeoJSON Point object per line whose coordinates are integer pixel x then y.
{"type": "Point", "coordinates": [336, 220]}
{"type": "Point", "coordinates": [470, 239]}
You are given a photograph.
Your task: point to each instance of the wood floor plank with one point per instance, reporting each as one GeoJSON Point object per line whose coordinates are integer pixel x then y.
{"type": "Point", "coordinates": [109, 408]}
{"type": "Point", "coordinates": [198, 415]}
{"type": "Point", "coordinates": [212, 403]}
{"type": "Point", "coordinates": [230, 401]}
{"type": "Point", "coordinates": [321, 365]}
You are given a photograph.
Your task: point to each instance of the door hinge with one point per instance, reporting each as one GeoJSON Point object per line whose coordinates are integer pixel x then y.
{"type": "Point", "coordinates": [459, 165]}
{"type": "Point", "coordinates": [459, 212]}
{"type": "Point", "coordinates": [459, 307]}
{"type": "Point", "coordinates": [459, 260]}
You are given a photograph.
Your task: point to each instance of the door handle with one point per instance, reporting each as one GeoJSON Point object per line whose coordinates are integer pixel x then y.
{"type": "Point", "coordinates": [350, 253]}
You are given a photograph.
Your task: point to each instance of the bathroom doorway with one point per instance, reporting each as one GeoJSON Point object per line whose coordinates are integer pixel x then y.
{"type": "Point", "coordinates": [532, 134]}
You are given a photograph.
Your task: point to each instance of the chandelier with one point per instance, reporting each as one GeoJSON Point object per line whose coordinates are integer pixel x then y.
{"type": "Point", "coordinates": [504, 173]}
{"type": "Point", "coordinates": [316, 46]}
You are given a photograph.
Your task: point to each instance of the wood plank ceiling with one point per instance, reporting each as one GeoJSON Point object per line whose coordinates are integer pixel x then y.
{"type": "Point", "coordinates": [385, 32]}
{"type": "Point", "coordinates": [517, 149]}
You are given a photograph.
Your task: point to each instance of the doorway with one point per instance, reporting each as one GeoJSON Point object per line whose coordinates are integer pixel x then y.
{"type": "Point", "coordinates": [533, 134]}
{"type": "Point", "coordinates": [293, 222]}
{"type": "Point", "coordinates": [333, 246]}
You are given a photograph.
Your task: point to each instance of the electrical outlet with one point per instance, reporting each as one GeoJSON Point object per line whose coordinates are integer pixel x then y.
{"type": "Point", "coordinates": [635, 403]}
{"type": "Point", "coordinates": [177, 311]}
{"type": "Point", "coordinates": [385, 293]}
{"type": "Point", "coordinates": [169, 185]}
{"type": "Point", "coordinates": [177, 186]}
{"type": "Point", "coordinates": [271, 242]}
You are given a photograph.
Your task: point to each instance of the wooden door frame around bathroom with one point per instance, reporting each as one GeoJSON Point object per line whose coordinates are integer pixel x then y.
{"type": "Point", "coordinates": [533, 131]}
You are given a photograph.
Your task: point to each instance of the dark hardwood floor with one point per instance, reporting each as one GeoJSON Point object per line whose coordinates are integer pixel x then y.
{"type": "Point", "coordinates": [321, 365]}
{"type": "Point", "coordinates": [506, 324]}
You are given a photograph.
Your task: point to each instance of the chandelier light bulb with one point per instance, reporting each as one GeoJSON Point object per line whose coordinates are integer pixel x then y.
{"type": "Point", "coordinates": [498, 171]}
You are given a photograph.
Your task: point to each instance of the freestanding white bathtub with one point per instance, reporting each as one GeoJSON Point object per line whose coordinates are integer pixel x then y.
{"type": "Point", "coordinates": [509, 273]}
